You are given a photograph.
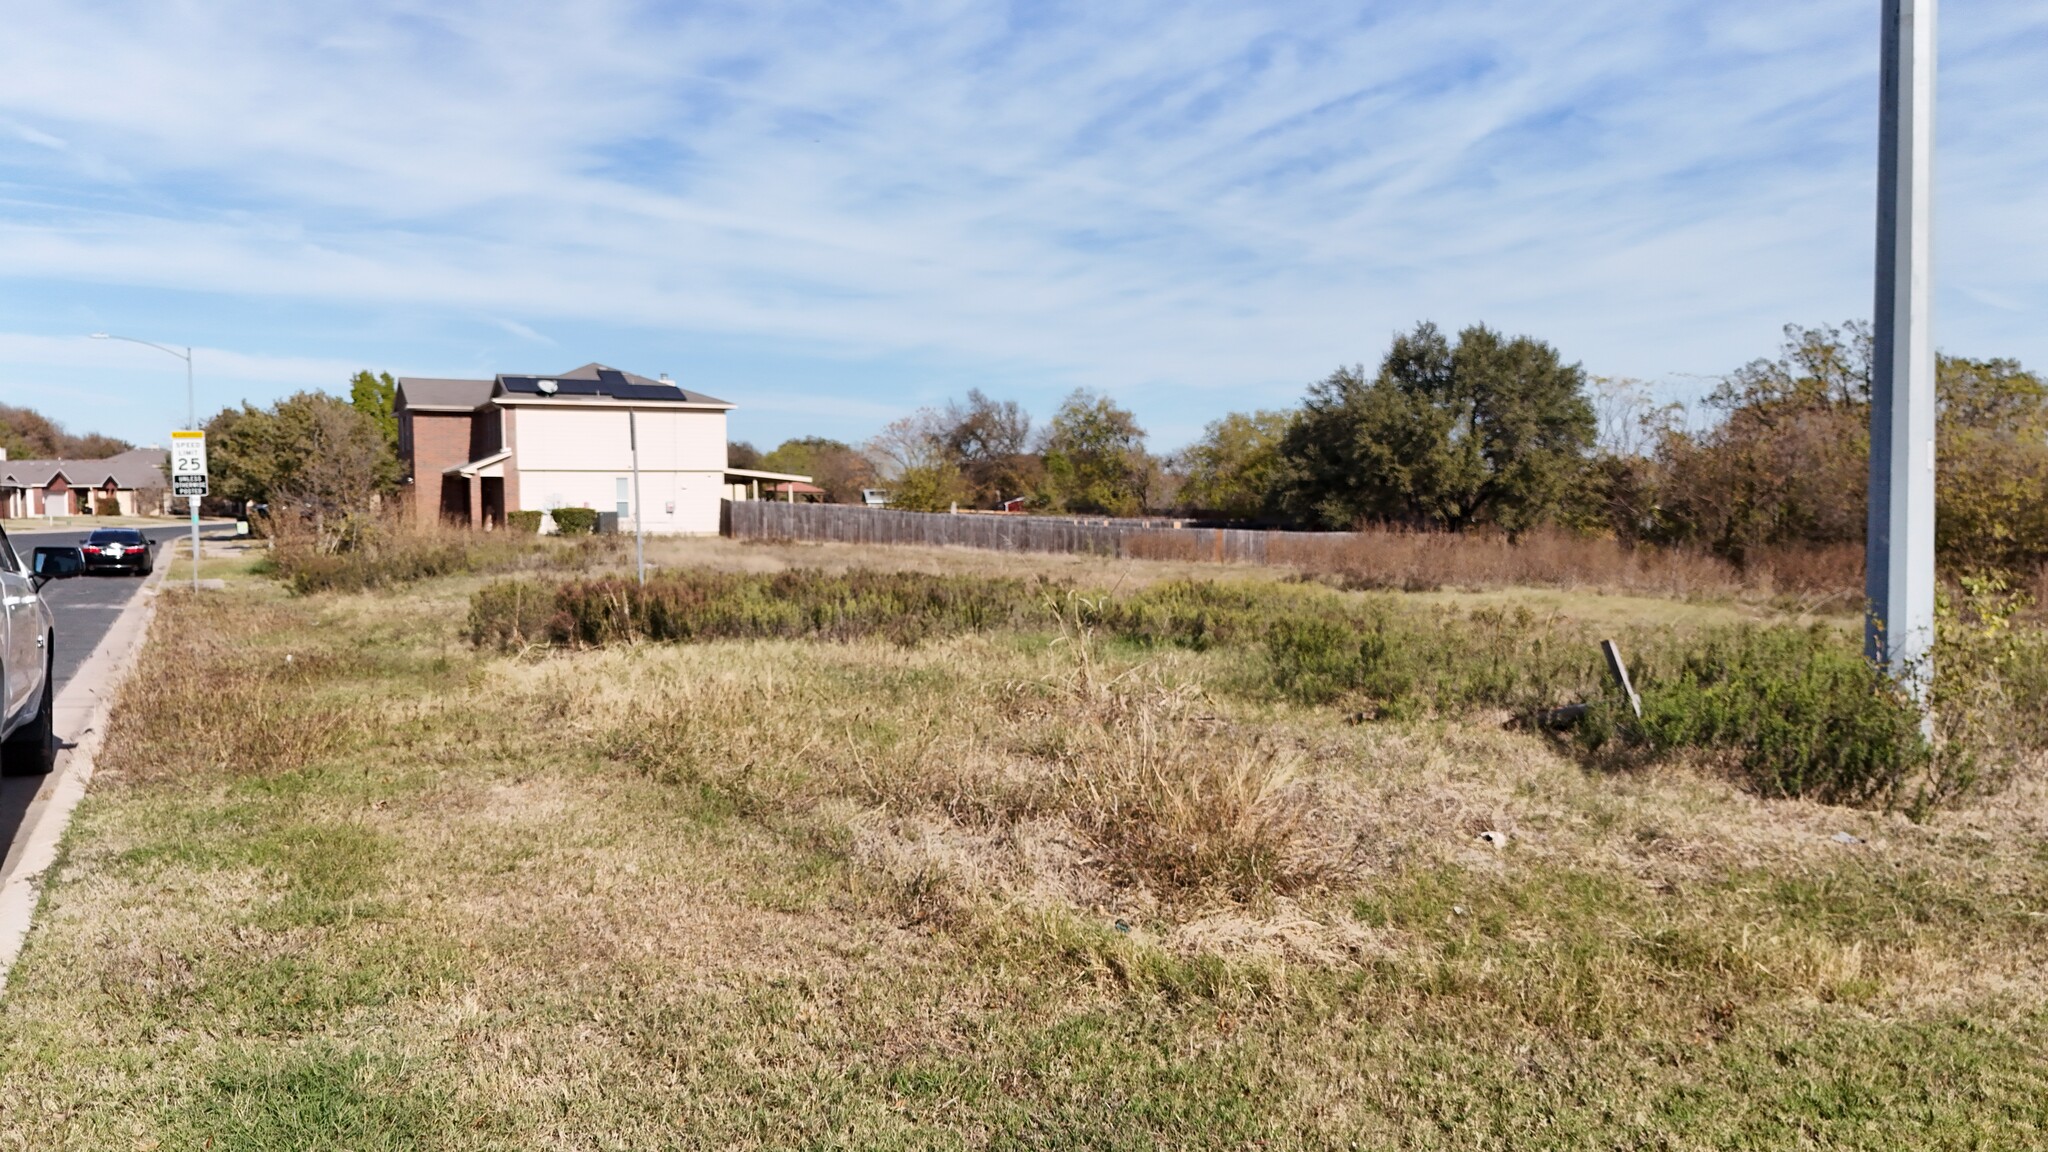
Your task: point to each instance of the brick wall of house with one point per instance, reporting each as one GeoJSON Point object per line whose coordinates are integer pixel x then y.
{"type": "Point", "coordinates": [440, 441]}
{"type": "Point", "coordinates": [486, 433]}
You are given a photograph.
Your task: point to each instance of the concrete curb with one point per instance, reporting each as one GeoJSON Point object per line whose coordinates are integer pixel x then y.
{"type": "Point", "coordinates": [80, 715]}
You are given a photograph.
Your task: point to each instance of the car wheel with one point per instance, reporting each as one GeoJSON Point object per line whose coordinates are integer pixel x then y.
{"type": "Point", "coordinates": [33, 750]}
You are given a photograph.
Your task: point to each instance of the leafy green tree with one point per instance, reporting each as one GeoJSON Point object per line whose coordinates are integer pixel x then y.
{"type": "Point", "coordinates": [1490, 430]}
{"type": "Point", "coordinates": [1787, 463]}
{"type": "Point", "coordinates": [1095, 458]}
{"type": "Point", "coordinates": [1824, 366]}
{"type": "Point", "coordinates": [837, 467]}
{"type": "Point", "coordinates": [1991, 487]}
{"type": "Point", "coordinates": [1235, 468]}
{"type": "Point", "coordinates": [911, 457]}
{"type": "Point", "coordinates": [310, 455]}
{"type": "Point", "coordinates": [376, 396]}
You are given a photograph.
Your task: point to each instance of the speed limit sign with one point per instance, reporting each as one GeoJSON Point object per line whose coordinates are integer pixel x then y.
{"type": "Point", "coordinates": [188, 463]}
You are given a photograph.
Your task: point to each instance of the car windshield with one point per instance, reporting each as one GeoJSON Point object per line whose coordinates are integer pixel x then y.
{"type": "Point", "coordinates": [114, 536]}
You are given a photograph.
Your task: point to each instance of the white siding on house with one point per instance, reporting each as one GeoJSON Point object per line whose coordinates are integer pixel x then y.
{"type": "Point", "coordinates": [575, 457]}
{"type": "Point", "coordinates": [591, 440]}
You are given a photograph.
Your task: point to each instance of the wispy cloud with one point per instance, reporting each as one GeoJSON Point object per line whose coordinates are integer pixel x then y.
{"type": "Point", "coordinates": [522, 331]}
{"type": "Point", "coordinates": [1198, 206]}
{"type": "Point", "coordinates": [32, 136]}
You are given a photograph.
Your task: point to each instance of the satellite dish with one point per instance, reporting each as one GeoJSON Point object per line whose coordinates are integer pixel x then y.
{"type": "Point", "coordinates": [547, 387]}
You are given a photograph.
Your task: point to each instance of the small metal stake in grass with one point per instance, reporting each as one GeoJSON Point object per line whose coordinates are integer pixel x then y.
{"type": "Point", "coordinates": [1620, 671]}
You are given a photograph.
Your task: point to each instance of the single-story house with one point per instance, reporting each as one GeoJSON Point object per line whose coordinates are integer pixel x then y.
{"type": "Point", "coordinates": [475, 450]}
{"type": "Point", "coordinates": [132, 481]}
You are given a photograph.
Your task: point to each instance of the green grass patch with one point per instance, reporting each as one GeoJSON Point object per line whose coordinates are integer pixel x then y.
{"type": "Point", "coordinates": [321, 1098]}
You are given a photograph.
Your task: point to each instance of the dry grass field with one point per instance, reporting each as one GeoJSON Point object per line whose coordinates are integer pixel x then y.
{"type": "Point", "coordinates": [348, 881]}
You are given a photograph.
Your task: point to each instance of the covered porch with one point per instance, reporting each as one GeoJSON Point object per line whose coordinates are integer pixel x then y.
{"type": "Point", "coordinates": [473, 494]}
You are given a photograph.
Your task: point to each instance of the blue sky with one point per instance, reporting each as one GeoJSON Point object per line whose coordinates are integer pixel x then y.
{"type": "Point", "coordinates": [833, 213]}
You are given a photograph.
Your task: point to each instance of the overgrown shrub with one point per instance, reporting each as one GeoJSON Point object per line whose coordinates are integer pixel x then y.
{"type": "Point", "coordinates": [575, 521]}
{"type": "Point", "coordinates": [699, 605]}
{"type": "Point", "coordinates": [1990, 691]}
{"type": "Point", "coordinates": [1801, 711]}
{"type": "Point", "coordinates": [1320, 646]}
{"type": "Point", "coordinates": [386, 554]}
{"type": "Point", "coordinates": [1393, 659]}
{"type": "Point", "coordinates": [523, 523]}
{"type": "Point", "coordinates": [106, 507]}
{"type": "Point", "coordinates": [1797, 712]}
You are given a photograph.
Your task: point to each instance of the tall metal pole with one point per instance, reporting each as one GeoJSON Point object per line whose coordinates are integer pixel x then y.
{"type": "Point", "coordinates": [192, 422]}
{"type": "Point", "coordinates": [1899, 564]}
{"type": "Point", "coordinates": [639, 521]}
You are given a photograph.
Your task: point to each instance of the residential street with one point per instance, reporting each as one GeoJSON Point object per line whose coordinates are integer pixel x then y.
{"type": "Point", "coordinates": [87, 605]}
{"type": "Point", "coordinates": [85, 608]}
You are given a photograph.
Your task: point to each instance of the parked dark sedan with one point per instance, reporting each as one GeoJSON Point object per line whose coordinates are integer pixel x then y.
{"type": "Point", "coordinates": [118, 550]}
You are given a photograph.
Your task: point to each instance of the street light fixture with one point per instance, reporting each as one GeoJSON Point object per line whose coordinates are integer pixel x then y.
{"type": "Point", "coordinates": [191, 421]}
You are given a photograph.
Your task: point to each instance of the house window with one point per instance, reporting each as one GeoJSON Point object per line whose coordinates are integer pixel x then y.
{"type": "Point", "coordinates": [622, 501]}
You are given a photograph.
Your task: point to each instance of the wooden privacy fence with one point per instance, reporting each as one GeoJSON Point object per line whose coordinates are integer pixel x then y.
{"type": "Point", "coordinates": [1141, 539]}
{"type": "Point", "coordinates": [1373, 558]}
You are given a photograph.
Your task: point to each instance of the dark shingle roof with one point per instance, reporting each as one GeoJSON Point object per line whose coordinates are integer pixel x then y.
{"type": "Point", "coordinates": [434, 392]}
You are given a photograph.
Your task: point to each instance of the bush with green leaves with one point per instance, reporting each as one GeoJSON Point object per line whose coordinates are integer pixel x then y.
{"type": "Point", "coordinates": [1800, 712]}
{"type": "Point", "coordinates": [575, 521]}
{"type": "Point", "coordinates": [523, 523]}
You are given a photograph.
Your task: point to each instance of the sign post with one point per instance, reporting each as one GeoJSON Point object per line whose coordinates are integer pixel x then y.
{"type": "Point", "coordinates": [188, 479]}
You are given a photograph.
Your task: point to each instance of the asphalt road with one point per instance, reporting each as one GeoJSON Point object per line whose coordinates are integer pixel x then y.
{"type": "Point", "coordinates": [85, 607]}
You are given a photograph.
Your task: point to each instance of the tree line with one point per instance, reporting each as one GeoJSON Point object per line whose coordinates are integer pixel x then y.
{"type": "Point", "coordinates": [26, 434]}
{"type": "Point", "coordinates": [1477, 431]}
{"type": "Point", "coordinates": [1488, 432]}
{"type": "Point", "coordinates": [1090, 457]}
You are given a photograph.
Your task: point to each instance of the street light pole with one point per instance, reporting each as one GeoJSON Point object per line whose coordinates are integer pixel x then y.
{"type": "Point", "coordinates": [639, 520]}
{"type": "Point", "coordinates": [1899, 556]}
{"type": "Point", "coordinates": [191, 422]}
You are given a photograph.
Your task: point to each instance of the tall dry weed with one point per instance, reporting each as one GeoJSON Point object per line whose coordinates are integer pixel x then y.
{"type": "Point", "coordinates": [1833, 571]}
{"type": "Point", "coordinates": [1168, 807]}
{"type": "Point", "coordinates": [1426, 561]}
{"type": "Point", "coordinates": [209, 696]}
{"type": "Point", "coordinates": [393, 551]}
{"type": "Point", "coordinates": [1159, 800]}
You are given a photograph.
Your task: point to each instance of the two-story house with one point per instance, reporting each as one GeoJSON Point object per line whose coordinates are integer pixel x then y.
{"type": "Point", "coordinates": [475, 450]}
